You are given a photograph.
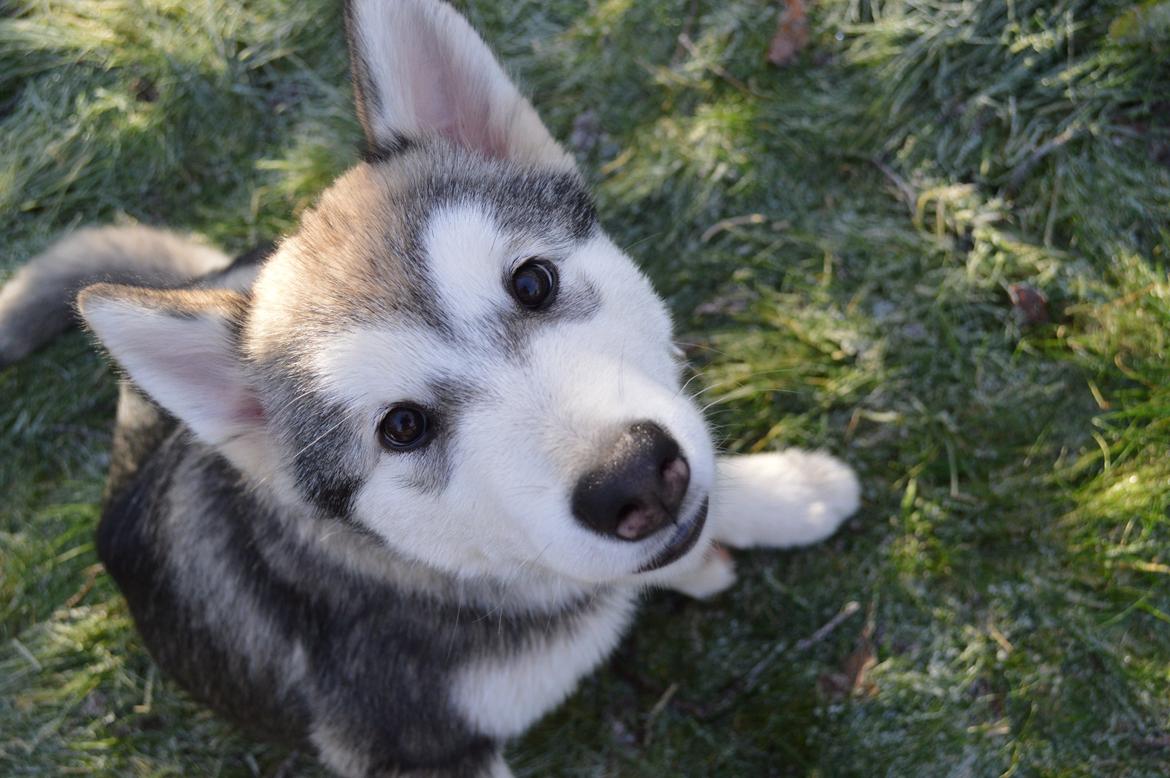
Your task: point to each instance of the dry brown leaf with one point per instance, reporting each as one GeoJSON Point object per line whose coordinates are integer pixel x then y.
{"type": "Point", "coordinates": [853, 678]}
{"type": "Point", "coordinates": [857, 667]}
{"type": "Point", "coordinates": [791, 34]}
{"type": "Point", "coordinates": [1029, 304]}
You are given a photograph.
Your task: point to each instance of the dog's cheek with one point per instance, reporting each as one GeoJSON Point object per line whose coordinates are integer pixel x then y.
{"type": "Point", "coordinates": [407, 519]}
{"type": "Point", "coordinates": [504, 482]}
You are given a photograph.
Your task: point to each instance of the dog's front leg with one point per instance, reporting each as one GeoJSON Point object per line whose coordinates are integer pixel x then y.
{"type": "Point", "coordinates": [706, 576]}
{"type": "Point", "coordinates": [781, 499]}
{"type": "Point", "coordinates": [786, 498]}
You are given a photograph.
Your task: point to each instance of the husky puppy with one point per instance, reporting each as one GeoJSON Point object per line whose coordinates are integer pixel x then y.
{"type": "Point", "coordinates": [389, 490]}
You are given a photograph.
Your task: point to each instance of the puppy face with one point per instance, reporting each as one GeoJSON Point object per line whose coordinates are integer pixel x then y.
{"type": "Point", "coordinates": [449, 354]}
{"type": "Point", "coordinates": [456, 346]}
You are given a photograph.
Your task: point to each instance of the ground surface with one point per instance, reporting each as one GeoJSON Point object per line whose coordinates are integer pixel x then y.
{"type": "Point", "coordinates": [839, 240]}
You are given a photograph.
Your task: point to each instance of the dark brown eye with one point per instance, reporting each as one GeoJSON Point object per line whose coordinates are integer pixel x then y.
{"type": "Point", "coordinates": [534, 284]}
{"type": "Point", "coordinates": [403, 428]}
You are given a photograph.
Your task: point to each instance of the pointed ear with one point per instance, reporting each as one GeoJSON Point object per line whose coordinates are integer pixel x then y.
{"type": "Point", "coordinates": [418, 68]}
{"type": "Point", "coordinates": [179, 346]}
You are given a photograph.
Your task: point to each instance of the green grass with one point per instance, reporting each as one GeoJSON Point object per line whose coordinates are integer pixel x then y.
{"type": "Point", "coordinates": [1012, 559]}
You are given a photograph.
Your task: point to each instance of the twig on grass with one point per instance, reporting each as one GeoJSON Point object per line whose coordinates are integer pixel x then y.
{"type": "Point", "coordinates": [1022, 170]}
{"type": "Point", "coordinates": [27, 655]}
{"type": "Point", "coordinates": [91, 574]}
{"type": "Point", "coordinates": [753, 675]}
{"type": "Point", "coordinates": [745, 684]}
{"type": "Point", "coordinates": [646, 729]}
{"type": "Point", "coordinates": [688, 26]}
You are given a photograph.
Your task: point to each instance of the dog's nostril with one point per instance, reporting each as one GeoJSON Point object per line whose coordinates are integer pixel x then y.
{"type": "Point", "coordinates": [675, 470]}
{"type": "Point", "coordinates": [676, 476]}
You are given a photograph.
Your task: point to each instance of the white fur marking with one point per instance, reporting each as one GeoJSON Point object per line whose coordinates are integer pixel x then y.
{"type": "Point", "coordinates": [503, 697]}
{"type": "Point", "coordinates": [466, 254]}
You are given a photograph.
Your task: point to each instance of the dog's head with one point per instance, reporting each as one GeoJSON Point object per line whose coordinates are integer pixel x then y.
{"type": "Point", "coordinates": [449, 353]}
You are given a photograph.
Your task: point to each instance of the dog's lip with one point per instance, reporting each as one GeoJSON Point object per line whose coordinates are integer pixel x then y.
{"type": "Point", "coordinates": [681, 541]}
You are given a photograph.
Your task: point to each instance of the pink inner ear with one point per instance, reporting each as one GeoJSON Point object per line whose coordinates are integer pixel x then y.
{"type": "Point", "coordinates": [471, 132]}
{"type": "Point", "coordinates": [455, 104]}
{"type": "Point", "coordinates": [212, 382]}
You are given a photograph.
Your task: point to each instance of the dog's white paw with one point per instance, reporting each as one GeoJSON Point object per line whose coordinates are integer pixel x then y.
{"type": "Point", "coordinates": [713, 575]}
{"type": "Point", "coordinates": [785, 498]}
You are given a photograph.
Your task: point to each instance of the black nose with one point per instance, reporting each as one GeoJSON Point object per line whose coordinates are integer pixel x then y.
{"type": "Point", "coordinates": [637, 489]}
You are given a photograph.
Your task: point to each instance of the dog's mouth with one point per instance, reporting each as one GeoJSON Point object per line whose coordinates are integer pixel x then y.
{"type": "Point", "coordinates": [682, 539]}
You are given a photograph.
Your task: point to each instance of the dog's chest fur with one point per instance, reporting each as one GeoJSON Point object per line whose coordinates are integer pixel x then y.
{"type": "Point", "coordinates": [302, 645]}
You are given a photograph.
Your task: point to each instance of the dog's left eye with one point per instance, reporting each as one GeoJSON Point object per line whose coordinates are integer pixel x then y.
{"type": "Point", "coordinates": [404, 427]}
{"type": "Point", "coordinates": [534, 284]}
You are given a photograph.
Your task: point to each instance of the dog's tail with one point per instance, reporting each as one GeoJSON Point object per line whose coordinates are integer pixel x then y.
{"type": "Point", "coordinates": [37, 303]}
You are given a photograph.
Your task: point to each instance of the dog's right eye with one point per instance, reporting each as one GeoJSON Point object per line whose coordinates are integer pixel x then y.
{"type": "Point", "coordinates": [404, 427]}
{"type": "Point", "coordinates": [534, 284]}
